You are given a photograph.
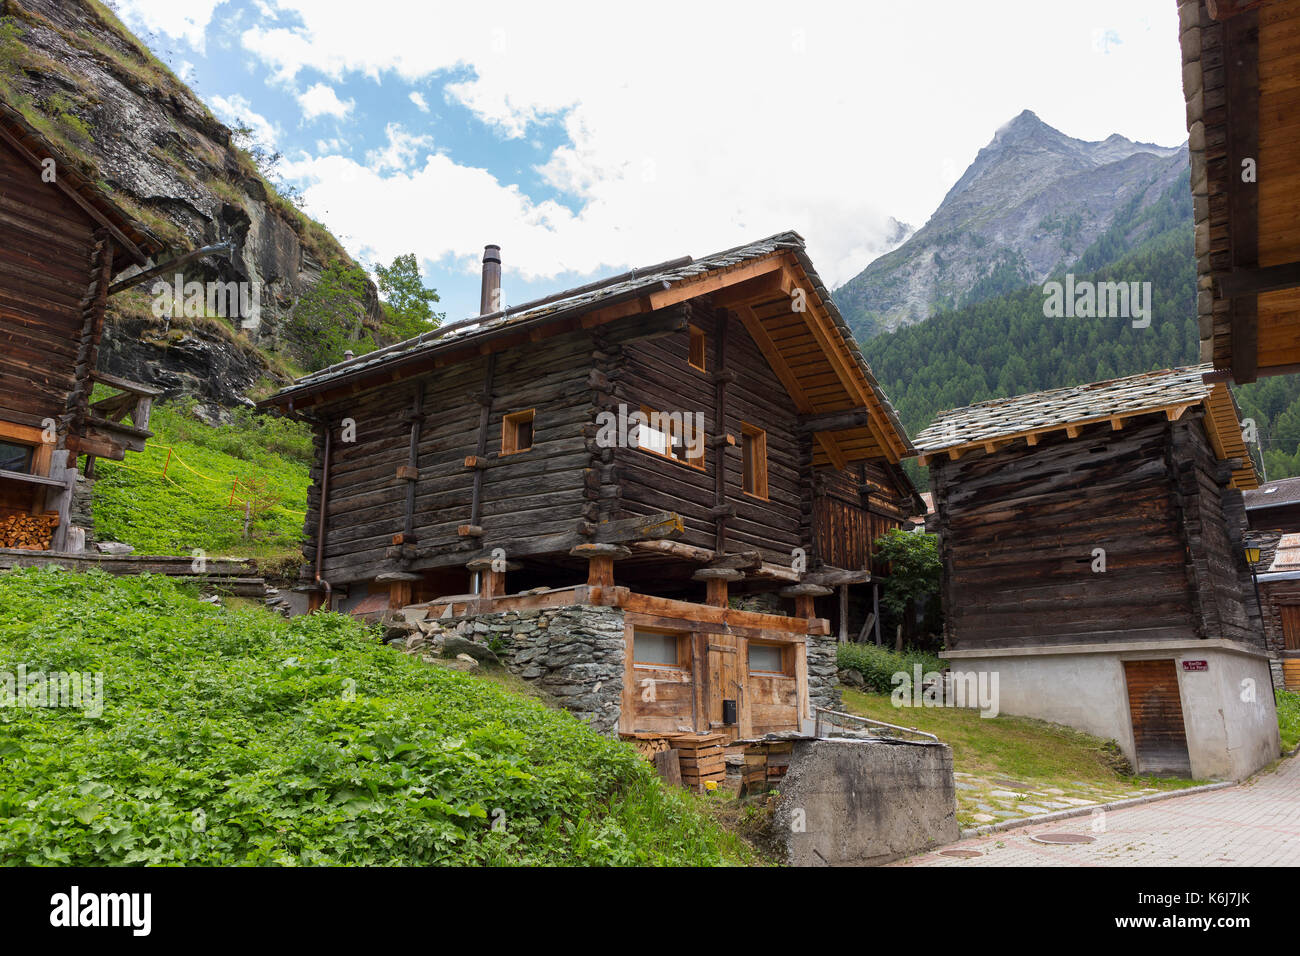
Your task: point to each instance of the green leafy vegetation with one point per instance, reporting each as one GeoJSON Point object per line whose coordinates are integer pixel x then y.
{"type": "Point", "coordinates": [231, 737]}
{"type": "Point", "coordinates": [914, 569]}
{"type": "Point", "coordinates": [1288, 718]}
{"type": "Point", "coordinates": [258, 456]}
{"type": "Point", "coordinates": [878, 665]}
{"type": "Point", "coordinates": [408, 305]}
{"type": "Point", "coordinates": [328, 318]}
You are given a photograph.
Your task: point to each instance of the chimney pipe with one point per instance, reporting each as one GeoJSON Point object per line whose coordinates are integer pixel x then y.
{"type": "Point", "coordinates": [488, 302]}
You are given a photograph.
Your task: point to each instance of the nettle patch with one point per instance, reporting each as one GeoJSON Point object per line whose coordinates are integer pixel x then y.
{"type": "Point", "coordinates": [238, 737]}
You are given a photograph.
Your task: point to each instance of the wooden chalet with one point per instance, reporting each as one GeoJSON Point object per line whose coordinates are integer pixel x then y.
{"type": "Point", "coordinates": [1240, 63]}
{"type": "Point", "coordinates": [1092, 544]}
{"type": "Point", "coordinates": [61, 244]}
{"type": "Point", "coordinates": [476, 461]}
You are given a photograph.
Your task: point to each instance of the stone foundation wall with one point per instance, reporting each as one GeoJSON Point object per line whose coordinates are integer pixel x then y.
{"type": "Point", "coordinates": [81, 514]}
{"type": "Point", "coordinates": [574, 653]}
{"type": "Point", "coordinates": [823, 684]}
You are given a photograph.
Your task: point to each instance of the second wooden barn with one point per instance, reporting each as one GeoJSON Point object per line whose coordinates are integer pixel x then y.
{"type": "Point", "coordinates": [1093, 564]}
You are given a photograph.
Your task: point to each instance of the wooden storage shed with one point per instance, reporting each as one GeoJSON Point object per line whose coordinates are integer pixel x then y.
{"type": "Point", "coordinates": [1092, 543]}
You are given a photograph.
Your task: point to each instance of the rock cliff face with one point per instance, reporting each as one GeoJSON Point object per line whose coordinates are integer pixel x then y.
{"type": "Point", "coordinates": [1032, 201]}
{"type": "Point", "coordinates": [104, 100]}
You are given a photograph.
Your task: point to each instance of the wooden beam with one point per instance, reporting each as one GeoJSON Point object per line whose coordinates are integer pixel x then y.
{"type": "Point", "coordinates": [835, 421]}
{"type": "Point", "coordinates": [1246, 281]}
{"type": "Point", "coordinates": [844, 367]}
{"type": "Point", "coordinates": [1241, 82]}
{"type": "Point", "coordinates": [774, 358]}
{"type": "Point", "coordinates": [134, 251]}
{"type": "Point", "coordinates": [714, 281]}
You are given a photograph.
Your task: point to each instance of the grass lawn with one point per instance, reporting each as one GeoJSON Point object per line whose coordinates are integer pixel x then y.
{"type": "Point", "coordinates": [190, 506]}
{"type": "Point", "coordinates": [1009, 767]}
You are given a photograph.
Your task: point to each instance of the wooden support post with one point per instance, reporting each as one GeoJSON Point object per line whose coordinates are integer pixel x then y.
{"type": "Point", "coordinates": [844, 613]}
{"type": "Point", "coordinates": [719, 442]}
{"type": "Point", "coordinates": [805, 597]}
{"type": "Point", "coordinates": [410, 473]}
{"type": "Point", "coordinates": [485, 413]}
{"type": "Point", "coordinates": [600, 562]}
{"type": "Point", "coordinates": [492, 571]}
{"type": "Point", "coordinates": [716, 582]}
{"type": "Point", "coordinates": [399, 584]}
{"type": "Point", "coordinates": [875, 608]}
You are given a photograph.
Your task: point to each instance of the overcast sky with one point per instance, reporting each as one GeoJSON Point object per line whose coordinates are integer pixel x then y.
{"type": "Point", "coordinates": [589, 138]}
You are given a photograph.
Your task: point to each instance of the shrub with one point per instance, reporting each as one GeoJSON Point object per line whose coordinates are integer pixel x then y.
{"type": "Point", "coordinates": [878, 665]}
{"type": "Point", "coordinates": [1288, 718]}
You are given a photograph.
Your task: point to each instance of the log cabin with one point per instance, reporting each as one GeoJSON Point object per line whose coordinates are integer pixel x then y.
{"type": "Point", "coordinates": [1091, 540]}
{"type": "Point", "coordinates": [698, 444]}
{"type": "Point", "coordinates": [1240, 61]}
{"type": "Point", "coordinates": [61, 243]}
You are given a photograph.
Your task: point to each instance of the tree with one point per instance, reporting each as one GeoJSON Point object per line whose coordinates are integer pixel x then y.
{"type": "Point", "coordinates": [914, 571]}
{"type": "Point", "coordinates": [408, 305]}
{"type": "Point", "coordinates": [328, 316]}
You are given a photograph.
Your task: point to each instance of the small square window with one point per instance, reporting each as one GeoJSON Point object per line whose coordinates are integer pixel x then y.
{"type": "Point", "coordinates": [16, 457]}
{"type": "Point", "coordinates": [517, 432]}
{"type": "Point", "coordinates": [698, 344]}
{"type": "Point", "coordinates": [670, 435]}
{"type": "Point", "coordinates": [754, 460]}
{"type": "Point", "coordinates": [767, 658]}
{"type": "Point", "coordinates": [654, 649]}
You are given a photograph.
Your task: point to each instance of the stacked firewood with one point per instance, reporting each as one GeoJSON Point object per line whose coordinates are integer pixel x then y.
{"type": "Point", "coordinates": [28, 532]}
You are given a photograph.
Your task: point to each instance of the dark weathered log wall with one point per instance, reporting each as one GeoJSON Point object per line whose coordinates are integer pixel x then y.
{"type": "Point", "coordinates": [524, 496]}
{"type": "Point", "coordinates": [1214, 523]}
{"type": "Point", "coordinates": [657, 373]}
{"type": "Point", "coordinates": [1018, 529]}
{"type": "Point", "coordinates": [48, 253]}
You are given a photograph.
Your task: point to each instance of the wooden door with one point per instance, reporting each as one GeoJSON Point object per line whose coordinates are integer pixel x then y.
{"type": "Point", "coordinates": [1291, 626]}
{"type": "Point", "coordinates": [724, 684]}
{"type": "Point", "coordinates": [1156, 708]}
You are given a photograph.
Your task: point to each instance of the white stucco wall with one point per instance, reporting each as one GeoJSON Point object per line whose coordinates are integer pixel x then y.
{"type": "Point", "coordinates": [1228, 709]}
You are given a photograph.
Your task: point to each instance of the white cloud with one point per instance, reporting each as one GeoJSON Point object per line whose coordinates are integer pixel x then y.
{"type": "Point", "coordinates": [419, 101]}
{"type": "Point", "coordinates": [181, 21]}
{"type": "Point", "coordinates": [321, 100]}
{"type": "Point", "coordinates": [236, 109]}
{"type": "Point", "coordinates": [689, 141]}
{"type": "Point", "coordinates": [401, 150]}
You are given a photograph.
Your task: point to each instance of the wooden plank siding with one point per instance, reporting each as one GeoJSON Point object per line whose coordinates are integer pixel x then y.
{"type": "Point", "coordinates": [1018, 528]}
{"type": "Point", "coordinates": [48, 249]}
{"type": "Point", "coordinates": [524, 495]}
{"type": "Point", "coordinates": [658, 373]}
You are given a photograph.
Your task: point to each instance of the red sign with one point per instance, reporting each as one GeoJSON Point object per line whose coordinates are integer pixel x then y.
{"type": "Point", "coordinates": [1196, 665]}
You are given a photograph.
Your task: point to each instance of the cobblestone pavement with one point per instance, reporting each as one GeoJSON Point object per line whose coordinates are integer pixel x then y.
{"type": "Point", "coordinates": [1253, 824]}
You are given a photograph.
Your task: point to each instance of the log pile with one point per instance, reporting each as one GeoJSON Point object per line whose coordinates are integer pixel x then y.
{"type": "Point", "coordinates": [702, 759]}
{"type": "Point", "coordinates": [27, 532]}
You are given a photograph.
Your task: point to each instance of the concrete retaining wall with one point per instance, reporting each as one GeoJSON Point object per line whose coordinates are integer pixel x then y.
{"type": "Point", "coordinates": [862, 802]}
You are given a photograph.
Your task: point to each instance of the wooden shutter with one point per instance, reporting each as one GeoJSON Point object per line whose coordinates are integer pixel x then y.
{"type": "Point", "coordinates": [1159, 736]}
{"type": "Point", "coordinates": [1291, 626]}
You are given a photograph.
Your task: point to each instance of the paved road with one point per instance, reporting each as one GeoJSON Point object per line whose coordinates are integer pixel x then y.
{"type": "Point", "coordinates": [1254, 824]}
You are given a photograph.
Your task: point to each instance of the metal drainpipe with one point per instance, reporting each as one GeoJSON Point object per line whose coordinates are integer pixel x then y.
{"type": "Point", "coordinates": [320, 526]}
